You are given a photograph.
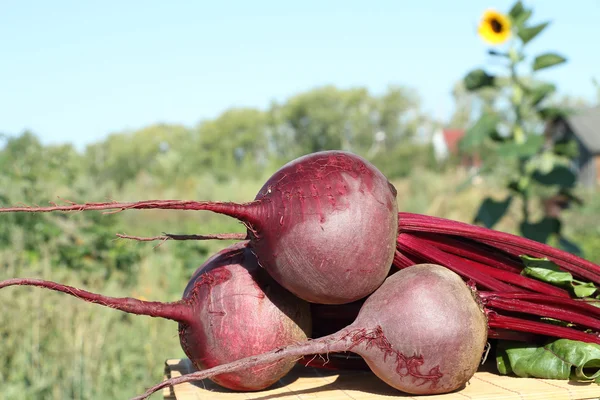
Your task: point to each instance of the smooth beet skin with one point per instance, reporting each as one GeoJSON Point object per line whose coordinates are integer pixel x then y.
{"type": "Point", "coordinates": [231, 309]}
{"type": "Point", "coordinates": [431, 326]}
{"type": "Point", "coordinates": [239, 311]}
{"type": "Point", "coordinates": [422, 332]}
{"type": "Point", "coordinates": [327, 227]}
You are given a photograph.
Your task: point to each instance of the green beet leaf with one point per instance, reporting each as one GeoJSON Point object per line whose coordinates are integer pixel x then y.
{"type": "Point", "coordinates": [545, 270]}
{"type": "Point", "coordinates": [558, 359]}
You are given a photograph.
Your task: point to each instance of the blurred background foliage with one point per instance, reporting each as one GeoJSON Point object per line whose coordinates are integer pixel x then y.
{"type": "Point", "coordinates": [55, 347]}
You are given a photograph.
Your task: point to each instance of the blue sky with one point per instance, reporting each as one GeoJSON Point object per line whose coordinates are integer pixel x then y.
{"type": "Point", "coordinates": [75, 71]}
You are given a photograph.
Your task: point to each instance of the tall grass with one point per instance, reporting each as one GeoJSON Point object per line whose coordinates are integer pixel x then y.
{"type": "Point", "coordinates": [57, 347]}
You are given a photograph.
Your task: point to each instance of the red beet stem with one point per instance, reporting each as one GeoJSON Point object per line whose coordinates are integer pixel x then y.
{"type": "Point", "coordinates": [504, 334]}
{"type": "Point", "coordinates": [468, 249]}
{"type": "Point", "coordinates": [518, 250]}
{"type": "Point", "coordinates": [402, 261]}
{"type": "Point", "coordinates": [496, 320]}
{"type": "Point", "coordinates": [177, 311]}
{"type": "Point", "coordinates": [246, 212]}
{"type": "Point", "coordinates": [513, 244]}
{"type": "Point", "coordinates": [566, 304]}
{"type": "Point", "coordinates": [413, 245]}
{"type": "Point", "coordinates": [335, 343]}
{"type": "Point", "coordinates": [520, 280]}
{"type": "Point", "coordinates": [542, 310]}
{"type": "Point", "coordinates": [500, 274]}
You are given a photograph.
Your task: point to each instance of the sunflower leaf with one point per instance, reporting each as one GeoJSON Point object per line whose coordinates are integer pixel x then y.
{"type": "Point", "coordinates": [529, 33]}
{"type": "Point", "coordinates": [559, 175]}
{"type": "Point", "coordinates": [516, 10]}
{"type": "Point", "coordinates": [522, 18]}
{"type": "Point", "coordinates": [491, 211]}
{"type": "Point", "coordinates": [547, 60]}
{"type": "Point", "coordinates": [542, 230]}
{"type": "Point", "coordinates": [558, 359]}
{"type": "Point", "coordinates": [484, 128]}
{"type": "Point", "coordinates": [511, 149]}
{"type": "Point", "coordinates": [540, 92]}
{"type": "Point", "coordinates": [478, 79]}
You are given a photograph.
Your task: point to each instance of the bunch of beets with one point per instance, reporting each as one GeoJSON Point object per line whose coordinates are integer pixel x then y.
{"type": "Point", "coordinates": [328, 265]}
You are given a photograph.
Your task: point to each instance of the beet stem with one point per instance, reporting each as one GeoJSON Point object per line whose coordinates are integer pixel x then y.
{"type": "Point", "coordinates": [177, 311]}
{"type": "Point", "coordinates": [171, 236]}
{"type": "Point", "coordinates": [565, 303]}
{"type": "Point", "coordinates": [508, 276]}
{"type": "Point", "coordinates": [245, 212]}
{"type": "Point", "coordinates": [417, 246]}
{"type": "Point", "coordinates": [542, 310]}
{"type": "Point", "coordinates": [513, 244]}
{"type": "Point", "coordinates": [518, 336]}
{"type": "Point", "coordinates": [518, 250]}
{"type": "Point", "coordinates": [402, 261]}
{"type": "Point", "coordinates": [467, 248]}
{"type": "Point", "coordinates": [504, 322]}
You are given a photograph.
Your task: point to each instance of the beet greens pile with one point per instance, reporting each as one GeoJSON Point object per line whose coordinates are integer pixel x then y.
{"type": "Point", "coordinates": [329, 265]}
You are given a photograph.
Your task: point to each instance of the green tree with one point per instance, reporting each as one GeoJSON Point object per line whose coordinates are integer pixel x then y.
{"type": "Point", "coordinates": [321, 119]}
{"type": "Point", "coordinates": [349, 119]}
{"type": "Point", "coordinates": [236, 142]}
{"type": "Point", "coordinates": [122, 156]}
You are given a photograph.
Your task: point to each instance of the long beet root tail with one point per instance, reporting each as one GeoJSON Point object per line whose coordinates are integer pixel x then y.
{"type": "Point", "coordinates": [172, 236]}
{"type": "Point", "coordinates": [178, 311]}
{"type": "Point", "coordinates": [329, 344]}
{"type": "Point", "coordinates": [245, 212]}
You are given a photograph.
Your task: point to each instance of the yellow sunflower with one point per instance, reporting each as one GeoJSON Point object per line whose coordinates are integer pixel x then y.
{"type": "Point", "coordinates": [494, 27]}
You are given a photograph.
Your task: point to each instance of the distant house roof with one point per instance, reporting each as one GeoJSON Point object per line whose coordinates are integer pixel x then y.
{"type": "Point", "coordinates": [452, 137]}
{"type": "Point", "coordinates": [585, 124]}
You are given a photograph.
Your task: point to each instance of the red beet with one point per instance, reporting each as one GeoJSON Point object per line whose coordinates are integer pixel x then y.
{"type": "Point", "coordinates": [318, 223]}
{"type": "Point", "coordinates": [231, 309]}
{"type": "Point", "coordinates": [422, 332]}
{"type": "Point", "coordinates": [330, 222]}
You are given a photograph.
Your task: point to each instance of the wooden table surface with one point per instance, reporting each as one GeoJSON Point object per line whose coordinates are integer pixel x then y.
{"type": "Point", "coordinates": [304, 383]}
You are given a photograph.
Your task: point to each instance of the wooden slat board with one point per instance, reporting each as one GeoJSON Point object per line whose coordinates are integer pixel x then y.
{"type": "Point", "coordinates": [315, 384]}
